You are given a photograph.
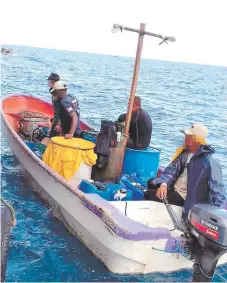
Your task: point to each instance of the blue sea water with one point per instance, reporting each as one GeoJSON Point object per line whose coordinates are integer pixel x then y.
{"type": "Point", "coordinates": [175, 94]}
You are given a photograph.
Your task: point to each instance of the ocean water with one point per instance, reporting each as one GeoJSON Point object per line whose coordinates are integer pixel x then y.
{"type": "Point", "coordinates": [175, 94]}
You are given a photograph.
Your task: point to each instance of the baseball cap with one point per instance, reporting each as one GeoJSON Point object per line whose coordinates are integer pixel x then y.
{"type": "Point", "coordinates": [60, 85]}
{"type": "Point", "coordinates": [54, 77]}
{"type": "Point", "coordinates": [198, 130]}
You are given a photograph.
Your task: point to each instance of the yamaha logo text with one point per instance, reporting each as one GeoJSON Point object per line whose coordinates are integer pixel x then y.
{"type": "Point", "coordinates": [209, 225]}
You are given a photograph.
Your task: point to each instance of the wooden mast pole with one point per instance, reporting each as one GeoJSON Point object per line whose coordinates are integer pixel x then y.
{"type": "Point", "coordinates": [133, 90]}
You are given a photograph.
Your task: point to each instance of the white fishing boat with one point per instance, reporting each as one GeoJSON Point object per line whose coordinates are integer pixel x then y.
{"type": "Point", "coordinates": [127, 236]}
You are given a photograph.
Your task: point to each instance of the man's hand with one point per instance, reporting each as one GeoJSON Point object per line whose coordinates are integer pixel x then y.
{"type": "Point", "coordinates": [162, 191]}
{"type": "Point", "coordinates": [68, 136]}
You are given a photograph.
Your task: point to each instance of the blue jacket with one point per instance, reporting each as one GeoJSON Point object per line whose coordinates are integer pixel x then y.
{"type": "Point", "coordinates": [205, 182]}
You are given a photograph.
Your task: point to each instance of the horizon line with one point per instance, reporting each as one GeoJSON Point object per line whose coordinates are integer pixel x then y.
{"type": "Point", "coordinates": [107, 54]}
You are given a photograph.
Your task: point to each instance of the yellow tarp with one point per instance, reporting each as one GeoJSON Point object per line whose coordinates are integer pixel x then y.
{"type": "Point", "coordinates": [66, 160]}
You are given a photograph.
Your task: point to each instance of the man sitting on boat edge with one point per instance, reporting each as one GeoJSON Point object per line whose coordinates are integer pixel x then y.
{"type": "Point", "coordinates": [69, 111]}
{"type": "Point", "coordinates": [56, 125]}
{"type": "Point", "coordinates": [140, 127]}
{"type": "Point", "coordinates": [193, 176]}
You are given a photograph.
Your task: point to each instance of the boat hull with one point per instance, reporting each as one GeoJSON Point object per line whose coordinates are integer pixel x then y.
{"type": "Point", "coordinates": [7, 221]}
{"type": "Point", "coordinates": [123, 245]}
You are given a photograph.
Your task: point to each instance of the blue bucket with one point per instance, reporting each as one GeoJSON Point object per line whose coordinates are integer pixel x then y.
{"type": "Point", "coordinates": [143, 163]}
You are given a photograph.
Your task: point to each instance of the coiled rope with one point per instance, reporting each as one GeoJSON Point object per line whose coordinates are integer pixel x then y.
{"type": "Point", "coordinates": [178, 249]}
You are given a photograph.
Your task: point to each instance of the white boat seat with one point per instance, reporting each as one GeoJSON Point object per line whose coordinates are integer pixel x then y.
{"type": "Point", "coordinates": [121, 224]}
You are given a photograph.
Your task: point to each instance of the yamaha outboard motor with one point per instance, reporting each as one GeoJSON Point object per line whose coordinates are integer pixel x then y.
{"type": "Point", "coordinates": [208, 224]}
{"type": "Point", "coordinates": [206, 234]}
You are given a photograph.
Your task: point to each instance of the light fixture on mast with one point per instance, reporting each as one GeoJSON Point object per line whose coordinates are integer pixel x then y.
{"type": "Point", "coordinates": [119, 28]}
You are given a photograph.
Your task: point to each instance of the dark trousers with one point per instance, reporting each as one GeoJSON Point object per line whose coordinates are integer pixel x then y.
{"type": "Point", "coordinates": [173, 197]}
{"type": "Point", "coordinates": [132, 145]}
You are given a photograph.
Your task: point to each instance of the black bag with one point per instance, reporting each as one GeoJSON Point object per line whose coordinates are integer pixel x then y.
{"type": "Point", "coordinates": [106, 139]}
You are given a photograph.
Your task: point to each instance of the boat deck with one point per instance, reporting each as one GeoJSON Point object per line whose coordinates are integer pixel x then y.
{"type": "Point", "coordinates": [150, 213]}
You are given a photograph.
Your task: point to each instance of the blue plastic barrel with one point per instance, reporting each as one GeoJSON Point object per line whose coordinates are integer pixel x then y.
{"type": "Point", "coordinates": [143, 163]}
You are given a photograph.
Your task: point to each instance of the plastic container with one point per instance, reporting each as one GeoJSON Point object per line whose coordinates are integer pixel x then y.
{"type": "Point", "coordinates": [40, 147]}
{"type": "Point", "coordinates": [90, 136]}
{"type": "Point", "coordinates": [74, 143]}
{"type": "Point", "coordinates": [31, 145]}
{"type": "Point", "coordinates": [37, 148]}
{"type": "Point", "coordinates": [119, 192]}
{"type": "Point", "coordinates": [110, 192]}
{"type": "Point", "coordinates": [131, 184]}
{"type": "Point", "coordinates": [89, 188]}
{"type": "Point", "coordinates": [143, 163]}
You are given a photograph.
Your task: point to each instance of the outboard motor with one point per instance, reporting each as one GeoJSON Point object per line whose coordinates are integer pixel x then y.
{"type": "Point", "coordinates": [208, 224]}
{"type": "Point", "coordinates": [206, 234]}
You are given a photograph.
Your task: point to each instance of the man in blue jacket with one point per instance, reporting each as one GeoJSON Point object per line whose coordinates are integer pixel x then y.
{"type": "Point", "coordinates": [193, 176]}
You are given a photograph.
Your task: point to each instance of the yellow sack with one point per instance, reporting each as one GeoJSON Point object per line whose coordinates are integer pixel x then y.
{"type": "Point", "coordinates": [66, 160]}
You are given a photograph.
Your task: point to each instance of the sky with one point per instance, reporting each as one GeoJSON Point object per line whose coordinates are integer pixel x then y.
{"type": "Point", "coordinates": [85, 25]}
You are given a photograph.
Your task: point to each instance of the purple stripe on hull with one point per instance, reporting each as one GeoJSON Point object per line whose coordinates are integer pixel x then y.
{"type": "Point", "coordinates": [121, 224]}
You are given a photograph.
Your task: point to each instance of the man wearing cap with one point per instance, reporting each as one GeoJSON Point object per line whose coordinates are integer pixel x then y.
{"type": "Point", "coordinates": [56, 125]}
{"type": "Point", "coordinates": [69, 111]}
{"type": "Point", "coordinates": [193, 176]}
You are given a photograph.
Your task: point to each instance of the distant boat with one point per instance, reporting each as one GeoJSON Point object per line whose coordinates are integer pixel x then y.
{"type": "Point", "coordinates": [7, 221]}
{"type": "Point", "coordinates": [6, 51]}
